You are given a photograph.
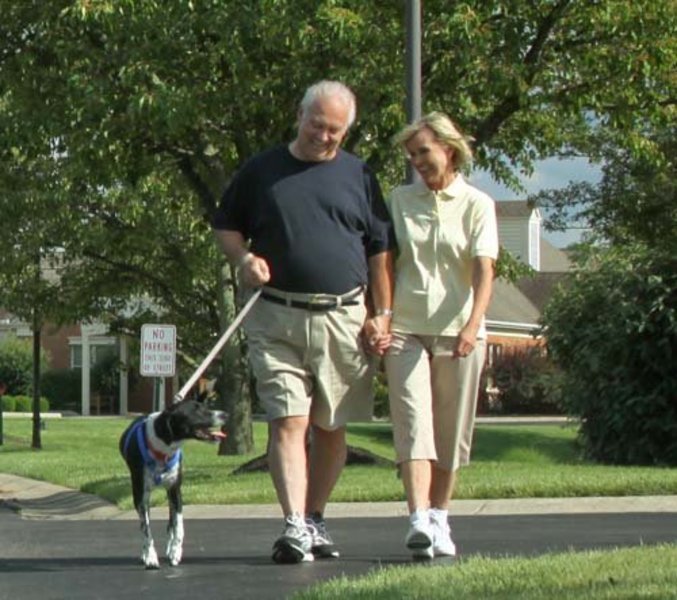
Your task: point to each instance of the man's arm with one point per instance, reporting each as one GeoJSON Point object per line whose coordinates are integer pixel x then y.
{"type": "Point", "coordinates": [381, 283]}
{"type": "Point", "coordinates": [233, 244]}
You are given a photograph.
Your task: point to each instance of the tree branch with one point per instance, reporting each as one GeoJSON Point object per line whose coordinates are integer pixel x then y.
{"type": "Point", "coordinates": [513, 102]}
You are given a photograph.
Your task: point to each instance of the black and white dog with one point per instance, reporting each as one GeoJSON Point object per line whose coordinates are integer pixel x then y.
{"type": "Point", "coordinates": [151, 447]}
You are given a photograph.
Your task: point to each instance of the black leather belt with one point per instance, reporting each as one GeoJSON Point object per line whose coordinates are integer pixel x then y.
{"type": "Point", "coordinates": [313, 305]}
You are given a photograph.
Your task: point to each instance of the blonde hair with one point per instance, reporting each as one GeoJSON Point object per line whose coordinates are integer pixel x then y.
{"type": "Point", "coordinates": [327, 88]}
{"type": "Point", "coordinates": [445, 131]}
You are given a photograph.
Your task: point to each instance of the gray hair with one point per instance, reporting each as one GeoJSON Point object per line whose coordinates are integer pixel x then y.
{"type": "Point", "coordinates": [446, 132]}
{"type": "Point", "coordinates": [335, 89]}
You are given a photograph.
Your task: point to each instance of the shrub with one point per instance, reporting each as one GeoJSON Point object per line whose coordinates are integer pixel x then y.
{"type": "Point", "coordinates": [62, 388]}
{"type": "Point", "coordinates": [527, 383]}
{"type": "Point", "coordinates": [613, 330]}
{"type": "Point", "coordinates": [22, 404]}
{"type": "Point", "coordinates": [381, 404]}
{"type": "Point", "coordinates": [8, 403]}
{"type": "Point", "coordinates": [16, 365]}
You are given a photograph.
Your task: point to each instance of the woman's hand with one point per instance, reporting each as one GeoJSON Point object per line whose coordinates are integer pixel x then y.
{"type": "Point", "coordinates": [465, 342]}
{"type": "Point", "coordinates": [376, 334]}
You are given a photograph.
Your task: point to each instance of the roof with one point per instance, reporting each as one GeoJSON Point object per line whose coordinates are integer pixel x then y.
{"type": "Point", "coordinates": [539, 288]}
{"type": "Point", "coordinates": [509, 304]}
{"type": "Point", "coordinates": [553, 260]}
{"type": "Point", "coordinates": [519, 305]}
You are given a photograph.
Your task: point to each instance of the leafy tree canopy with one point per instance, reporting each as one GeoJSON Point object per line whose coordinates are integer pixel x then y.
{"type": "Point", "coordinates": [205, 84]}
{"type": "Point", "coordinates": [147, 99]}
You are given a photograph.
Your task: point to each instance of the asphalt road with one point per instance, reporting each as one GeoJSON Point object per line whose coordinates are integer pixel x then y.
{"type": "Point", "coordinates": [230, 558]}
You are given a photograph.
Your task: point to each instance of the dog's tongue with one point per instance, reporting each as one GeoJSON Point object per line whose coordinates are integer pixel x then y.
{"type": "Point", "coordinates": [217, 435]}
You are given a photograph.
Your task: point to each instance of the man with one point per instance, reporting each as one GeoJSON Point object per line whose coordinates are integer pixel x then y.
{"type": "Point", "coordinates": [307, 222]}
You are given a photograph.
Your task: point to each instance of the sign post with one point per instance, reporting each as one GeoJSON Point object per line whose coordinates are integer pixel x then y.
{"type": "Point", "coordinates": [158, 357]}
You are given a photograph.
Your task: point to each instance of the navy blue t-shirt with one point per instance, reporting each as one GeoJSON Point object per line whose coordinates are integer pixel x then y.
{"type": "Point", "coordinates": [315, 223]}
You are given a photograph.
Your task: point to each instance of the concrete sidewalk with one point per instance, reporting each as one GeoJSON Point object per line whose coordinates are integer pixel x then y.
{"type": "Point", "coordinates": [42, 500]}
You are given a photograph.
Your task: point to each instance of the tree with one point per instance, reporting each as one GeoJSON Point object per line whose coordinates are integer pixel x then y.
{"type": "Point", "coordinates": [144, 98]}
{"type": "Point", "coordinates": [633, 202]}
{"type": "Point", "coordinates": [30, 256]}
{"type": "Point", "coordinates": [155, 93]}
{"type": "Point", "coordinates": [536, 79]}
{"type": "Point", "coordinates": [204, 85]}
{"type": "Point", "coordinates": [613, 327]}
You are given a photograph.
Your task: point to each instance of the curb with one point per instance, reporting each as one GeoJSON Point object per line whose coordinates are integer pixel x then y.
{"type": "Point", "coordinates": [46, 501]}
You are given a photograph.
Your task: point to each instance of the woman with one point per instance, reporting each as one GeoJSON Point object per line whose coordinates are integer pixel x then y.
{"type": "Point", "coordinates": [447, 237]}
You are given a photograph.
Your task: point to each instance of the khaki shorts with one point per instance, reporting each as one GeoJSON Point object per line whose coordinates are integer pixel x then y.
{"type": "Point", "coordinates": [433, 398]}
{"type": "Point", "coordinates": [311, 363]}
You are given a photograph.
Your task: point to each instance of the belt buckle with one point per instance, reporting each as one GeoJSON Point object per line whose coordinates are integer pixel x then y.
{"type": "Point", "coordinates": [320, 301]}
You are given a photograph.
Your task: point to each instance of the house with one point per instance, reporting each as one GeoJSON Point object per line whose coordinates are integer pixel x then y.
{"type": "Point", "coordinates": [514, 313]}
{"type": "Point", "coordinates": [80, 347]}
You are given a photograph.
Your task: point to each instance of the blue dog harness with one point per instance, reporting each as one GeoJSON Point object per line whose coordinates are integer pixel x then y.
{"type": "Point", "coordinates": [169, 465]}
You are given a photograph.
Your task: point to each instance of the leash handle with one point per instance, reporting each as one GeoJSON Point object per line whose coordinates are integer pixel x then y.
{"type": "Point", "coordinates": [217, 348]}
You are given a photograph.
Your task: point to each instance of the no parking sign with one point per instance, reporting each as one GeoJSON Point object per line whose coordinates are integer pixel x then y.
{"type": "Point", "coordinates": [158, 350]}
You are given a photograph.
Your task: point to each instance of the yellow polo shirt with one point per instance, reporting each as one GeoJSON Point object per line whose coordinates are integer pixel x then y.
{"type": "Point", "coordinates": [438, 235]}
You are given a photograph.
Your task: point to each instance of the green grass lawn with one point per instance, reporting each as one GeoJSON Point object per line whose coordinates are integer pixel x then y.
{"type": "Point", "coordinates": [508, 462]}
{"type": "Point", "coordinates": [640, 572]}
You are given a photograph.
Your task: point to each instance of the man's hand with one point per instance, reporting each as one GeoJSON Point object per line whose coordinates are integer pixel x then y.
{"type": "Point", "coordinates": [376, 334]}
{"type": "Point", "coordinates": [254, 270]}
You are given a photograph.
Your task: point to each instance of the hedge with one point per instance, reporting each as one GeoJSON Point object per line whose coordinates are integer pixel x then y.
{"type": "Point", "coordinates": [22, 404]}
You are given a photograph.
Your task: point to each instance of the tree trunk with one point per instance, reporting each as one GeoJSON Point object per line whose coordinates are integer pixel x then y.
{"type": "Point", "coordinates": [3, 389]}
{"type": "Point", "coordinates": [37, 442]}
{"type": "Point", "coordinates": [233, 381]}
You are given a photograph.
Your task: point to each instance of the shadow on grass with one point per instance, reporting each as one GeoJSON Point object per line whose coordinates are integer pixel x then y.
{"type": "Point", "coordinates": [378, 432]}
{"type": "Point", "coordinates": [12, 443]}
{"type": "Point", "coordinates": [113, 489]}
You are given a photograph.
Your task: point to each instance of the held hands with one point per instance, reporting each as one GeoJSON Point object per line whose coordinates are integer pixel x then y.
{"type": "Point", "coordinates": [254, 270]}
{"type": "Point", "coordinates": [376, 334]}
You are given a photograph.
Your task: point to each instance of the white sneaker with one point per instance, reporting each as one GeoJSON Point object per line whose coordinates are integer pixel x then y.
{"type": "Point", "coordinates": [294, 545]}
{"type": "Point", "coordinates": [420, 536]}
{"type": "Point", "coordinates": [322, 545]}
{"type": "Point", "coordinates": [443, 545]}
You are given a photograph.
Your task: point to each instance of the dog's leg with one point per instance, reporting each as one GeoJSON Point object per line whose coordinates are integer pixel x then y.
{"type": "Point", "coordinates": [175, 527]}
{"type": "Point", "coordinates": [148, 552]}
{"type": "Point", "coordinates": [142, 503]}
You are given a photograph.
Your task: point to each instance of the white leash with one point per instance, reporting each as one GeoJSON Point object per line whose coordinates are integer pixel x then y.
{"type": "Point", "coordinates": [224, 338]}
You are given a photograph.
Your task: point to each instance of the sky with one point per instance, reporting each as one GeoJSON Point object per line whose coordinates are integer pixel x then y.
{"type": "Point", "coordinates": [548, 174]}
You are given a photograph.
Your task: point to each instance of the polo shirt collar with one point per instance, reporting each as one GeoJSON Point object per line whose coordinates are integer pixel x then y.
{"type": "Point", "coordinates": [453, 190]}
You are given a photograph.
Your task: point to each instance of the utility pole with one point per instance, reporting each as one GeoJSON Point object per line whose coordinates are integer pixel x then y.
{"type": "Point", "coordinates": [413, 70]}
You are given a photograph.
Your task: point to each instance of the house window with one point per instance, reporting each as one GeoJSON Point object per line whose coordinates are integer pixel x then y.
{"type": "Point", "coordinates": [97, 353]}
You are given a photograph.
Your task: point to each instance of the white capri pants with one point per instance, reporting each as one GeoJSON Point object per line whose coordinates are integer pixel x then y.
{"type": "Point", "coordinates": [433, 398]}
